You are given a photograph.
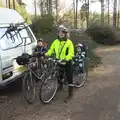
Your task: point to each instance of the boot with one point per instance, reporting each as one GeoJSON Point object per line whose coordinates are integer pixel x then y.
{"type": "Point", "coordinates": [70, 93]}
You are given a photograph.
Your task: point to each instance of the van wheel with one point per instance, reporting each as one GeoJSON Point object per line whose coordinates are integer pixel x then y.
{"type": "Point", "coordinates": [28, 86]}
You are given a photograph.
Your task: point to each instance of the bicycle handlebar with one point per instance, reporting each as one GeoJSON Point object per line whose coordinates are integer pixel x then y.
{"type": "Point", "coordinates": [55, 60]}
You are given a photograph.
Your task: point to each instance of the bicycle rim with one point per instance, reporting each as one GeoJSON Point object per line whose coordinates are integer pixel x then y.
{"type": "Point", "coordinates": [29, 88]}
{"type": "Point", "coordinates": [79, 79]}
{"type": "Point", "coordinates": [50, 83]}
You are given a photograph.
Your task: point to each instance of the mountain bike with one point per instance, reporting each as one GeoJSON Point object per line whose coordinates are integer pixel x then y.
{"type": "Point", "coordinates": [79, 78]}
{"type": "Point", "coordinates": [50, 84]}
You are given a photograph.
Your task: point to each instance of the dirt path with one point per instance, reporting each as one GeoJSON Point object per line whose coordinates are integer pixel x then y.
{"type": "Point", "coordinates": [99, 99]}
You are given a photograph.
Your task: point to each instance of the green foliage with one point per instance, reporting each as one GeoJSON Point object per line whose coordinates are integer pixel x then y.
{"type": "Point", "coordinates": [42, 25]}
{"type": "Point", "coordinates": [23, 12]}
{"type": "Point", "coordinates": [67, 18]}
{"type": "Point", "coordinates": [1, 5]}
{"type": "Point", "coordinates": [103, 35]}
{"type": "Point", "coordinates": [21, 9]}
{"type": "Point", "coordinates": [94, 18]}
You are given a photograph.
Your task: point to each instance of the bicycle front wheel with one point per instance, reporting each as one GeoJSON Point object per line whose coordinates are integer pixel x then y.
{"type": "Point", "coordinates": [48, 88]}
{"type": "Point", "coordinates": [29, 90]}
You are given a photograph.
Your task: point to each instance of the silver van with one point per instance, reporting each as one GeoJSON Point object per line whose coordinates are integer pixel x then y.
{"type": "Point", "coordinates": [11, 47]}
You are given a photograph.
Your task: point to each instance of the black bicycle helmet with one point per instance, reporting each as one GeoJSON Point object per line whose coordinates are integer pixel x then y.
{"type": "Point", "coordinates": [40, 40]}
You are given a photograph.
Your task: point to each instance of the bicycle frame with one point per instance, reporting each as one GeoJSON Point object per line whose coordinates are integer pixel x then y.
{"type": "Point", "coordinates": [56, 70]}
{"type": "Point", "coordinates": [37, 64]}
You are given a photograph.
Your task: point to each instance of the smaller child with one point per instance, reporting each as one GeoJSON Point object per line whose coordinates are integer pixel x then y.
{"type": "Point", "coordinates": [40, 46]}
{"type": "Point", "coordinates": [80, 56]}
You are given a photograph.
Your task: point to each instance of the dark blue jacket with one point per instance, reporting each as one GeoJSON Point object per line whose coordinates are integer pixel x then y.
{"type": "Point", "coordinates": [40, 49]}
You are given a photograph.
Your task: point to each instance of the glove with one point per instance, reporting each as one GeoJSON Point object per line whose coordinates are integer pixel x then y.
{"type": "Point", "coordinates": [42, 54]}
{"type": "Point", "coordinates": [64, 60]}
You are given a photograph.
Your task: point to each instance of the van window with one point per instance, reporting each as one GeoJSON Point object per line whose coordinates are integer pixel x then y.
{"type": "Point", "coordinates": [25, 35]}
{"type": "Point", "coordinates": [8, 42]}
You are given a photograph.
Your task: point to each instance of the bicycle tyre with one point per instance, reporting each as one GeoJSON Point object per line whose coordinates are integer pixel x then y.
{"type": "Point", "coordinates": [29, 80]}
{"type": "Point", "coordinates": [47, 79]}
{"type": "Point", "coordinates": [74, 77]}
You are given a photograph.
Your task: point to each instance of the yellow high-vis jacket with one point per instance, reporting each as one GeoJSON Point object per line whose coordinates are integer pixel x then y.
{"type": "Point", "coordinates": [62, 49]}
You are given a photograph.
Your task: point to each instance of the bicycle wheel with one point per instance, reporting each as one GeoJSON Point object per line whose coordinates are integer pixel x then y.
{"type": "Point", "coordinates": [79, 79]}
{"type": "Point", "coordinates": [48, 88]}
{"type": "Point", "coordinates": [29, 88]}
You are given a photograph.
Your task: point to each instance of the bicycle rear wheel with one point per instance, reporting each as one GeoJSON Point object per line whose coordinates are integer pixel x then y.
{"type": "Point", "coordinates": [29, 90]}
{"type": "Point", "coordinates": [48, 88]}
{"type": "Point", "coordinates": [79, 79]}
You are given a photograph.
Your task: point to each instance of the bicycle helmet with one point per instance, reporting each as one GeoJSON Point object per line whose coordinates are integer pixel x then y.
{"type": "Point", "coordinates": [79, 45]}
{"type": "Point", "coordinates": [63, 29]}
{"type": "Point", "coordinates": [40, 40]}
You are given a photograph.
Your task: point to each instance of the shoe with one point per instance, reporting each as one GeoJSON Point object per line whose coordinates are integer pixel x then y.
{"type": "Point", "coordinates": [70, 94]}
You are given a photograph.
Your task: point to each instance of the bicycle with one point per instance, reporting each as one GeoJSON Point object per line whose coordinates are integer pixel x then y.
{"type": "Point", "coordinates": [50, 83]}
{"type": "Point", "coordinates": [79, 78]}
{"type": "Point", "coordinates": [31, 76]}
{"type": "Point", "coordinates": [53, 77]}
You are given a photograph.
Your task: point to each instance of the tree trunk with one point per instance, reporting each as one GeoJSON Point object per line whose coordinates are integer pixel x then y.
{"type": "Point", "coordinates": [74, 14]}
{"type": "Point", "coordinates": [50, 6]}
{"type": "Point", "coordinates": [47, 6]}
{"type": "Point", "coordinates": [14, 4]}
{"type": "Point", "coordinates": [102, 12]}
{"type": "Point", "coordinates": [115, 13]}
{"type": "Point", "coordinates": [6, 3]}
{"type": "Point", "coordinates": [56, 5]}
{"type": "Point", "coordinates": [35, 7]}
{"type": "Point", "coordinates": [41, 8]}
{"type": "Point", "coordinates": [9, 3]}
{"type": "Point", "coordinates": [87, 12]}
{"type": "Point", "coordinates": [87, 15]}
{"type": "Point", "coordinates": [118, 14]}
{"type": "Point", "coordinates": [108, 12]}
